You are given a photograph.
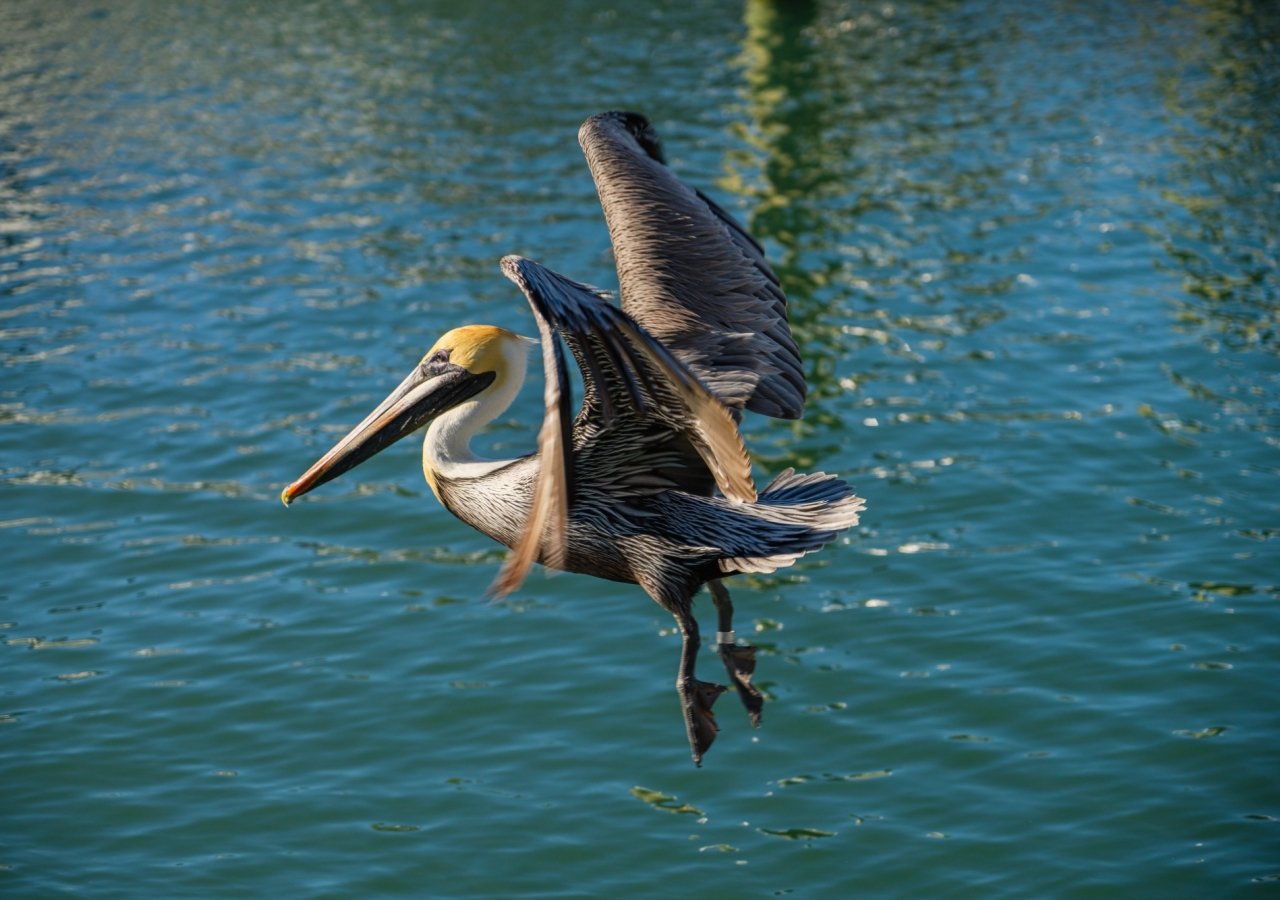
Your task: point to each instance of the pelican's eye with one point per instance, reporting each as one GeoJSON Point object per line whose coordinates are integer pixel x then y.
{"type": "Point", "coordinates": [436, 362]}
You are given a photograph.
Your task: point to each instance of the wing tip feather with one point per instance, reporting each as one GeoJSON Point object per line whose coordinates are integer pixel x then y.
{"type": "Point", "coordinates": [637, 125]}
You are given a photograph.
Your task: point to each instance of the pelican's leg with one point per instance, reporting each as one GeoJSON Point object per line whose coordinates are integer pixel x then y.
{"type": "Point", "coordinates": [739, 659]}
{"type": "Point", "coordinates": [696, 697]}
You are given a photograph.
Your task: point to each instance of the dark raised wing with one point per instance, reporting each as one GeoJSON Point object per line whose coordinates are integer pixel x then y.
{"type": "Point", "coordinates": [690, 274]}
{"type": "Point", "coordinates": [627, 375]}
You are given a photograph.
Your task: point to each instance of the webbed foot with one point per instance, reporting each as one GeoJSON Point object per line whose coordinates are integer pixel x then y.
{"type": "Point", "coordinates": [696, 699]}
{"type": "Point", "coordinates": [740, 662]}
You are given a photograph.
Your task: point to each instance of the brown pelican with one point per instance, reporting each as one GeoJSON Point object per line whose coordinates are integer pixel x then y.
{"type": "Point", "coordinates": [649, 483]}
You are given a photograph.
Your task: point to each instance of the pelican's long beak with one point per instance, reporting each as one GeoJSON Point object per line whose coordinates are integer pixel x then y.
{"type": "Point", "coordinates": [428, 392]}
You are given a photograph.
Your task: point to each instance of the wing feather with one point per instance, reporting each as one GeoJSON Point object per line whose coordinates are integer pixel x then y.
{"type": "Point", "coordinates": [691, 274]}
{"type": "Point", "coordinates": [626, 372]}
{"type": "Point", "coordinates": [547, 527]}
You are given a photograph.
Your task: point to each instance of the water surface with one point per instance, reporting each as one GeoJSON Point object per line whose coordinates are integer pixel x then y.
{"type": "Point", "coordinates": [1031, 251]}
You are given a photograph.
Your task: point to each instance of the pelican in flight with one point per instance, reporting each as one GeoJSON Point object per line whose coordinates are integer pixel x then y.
{"type": "Point", "coordinates": [649, 483]}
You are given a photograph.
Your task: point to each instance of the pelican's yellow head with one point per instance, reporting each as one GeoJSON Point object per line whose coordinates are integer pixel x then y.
{"type": "Point", "coordinates": [479, 349]}
{"type": "Point", "coordinates": [462, 365]}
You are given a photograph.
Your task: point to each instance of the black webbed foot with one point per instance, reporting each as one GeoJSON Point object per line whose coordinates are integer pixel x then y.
{"type": "Point", "coordinates": [697, 698]}
{"type": "Point", "coordinates": [740, 662]}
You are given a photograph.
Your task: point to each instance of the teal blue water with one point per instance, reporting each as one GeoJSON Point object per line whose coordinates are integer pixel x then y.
{"type": "Point", "coordinates": [1031, 250]}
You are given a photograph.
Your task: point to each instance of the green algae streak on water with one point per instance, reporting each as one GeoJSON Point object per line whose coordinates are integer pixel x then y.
{"type": "Point", "coordinates": [1031, 251]}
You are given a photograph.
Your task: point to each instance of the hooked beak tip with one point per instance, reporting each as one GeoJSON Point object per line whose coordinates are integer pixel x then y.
{"type": "Point", "coordinates": [286, 496]}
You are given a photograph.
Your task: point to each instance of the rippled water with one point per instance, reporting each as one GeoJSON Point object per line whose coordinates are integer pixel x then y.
{"type": "Point", "coordinates": [1032, 256]}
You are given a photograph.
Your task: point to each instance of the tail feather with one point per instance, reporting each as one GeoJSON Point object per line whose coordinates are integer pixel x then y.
{"type": "Point", "coordinates": [797, 514]}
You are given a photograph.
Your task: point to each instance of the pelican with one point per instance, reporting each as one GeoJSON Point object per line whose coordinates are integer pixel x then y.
{"type": "Point", "coordinates": [649, 483]}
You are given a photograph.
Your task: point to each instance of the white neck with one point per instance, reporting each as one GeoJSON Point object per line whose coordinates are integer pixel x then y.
{"type": "Point", "coordinates": [446, 450]}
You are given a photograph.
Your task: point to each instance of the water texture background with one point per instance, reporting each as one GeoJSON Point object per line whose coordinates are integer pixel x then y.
{"type": "Point", "coordinates": [1031, 250]}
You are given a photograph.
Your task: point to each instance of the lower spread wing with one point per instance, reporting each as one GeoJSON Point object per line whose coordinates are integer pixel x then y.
{"type": "Point", "coordinates": [690, 274]}
{"type": "Point", "coordinates": [626, 373]}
